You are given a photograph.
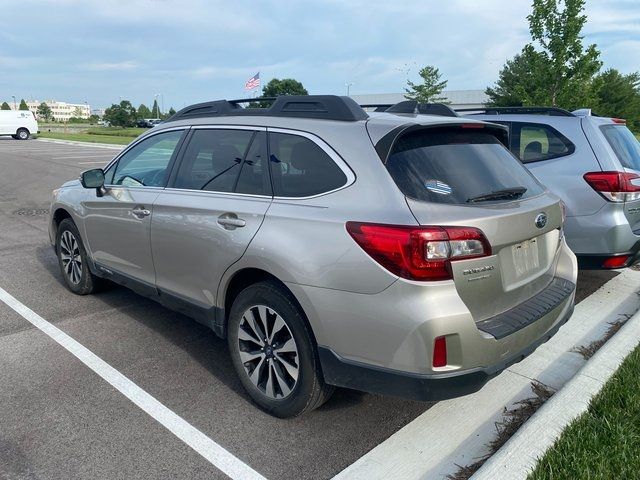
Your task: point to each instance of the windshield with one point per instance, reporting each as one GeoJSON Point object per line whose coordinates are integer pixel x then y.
{"type": "Point", "coordinates": [458, 167]}
{"type": "Point", "coordinates": [624, 144]}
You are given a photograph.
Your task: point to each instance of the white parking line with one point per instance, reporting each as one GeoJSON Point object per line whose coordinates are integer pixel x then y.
{"type": "Point", "coordinates": [210, 450]}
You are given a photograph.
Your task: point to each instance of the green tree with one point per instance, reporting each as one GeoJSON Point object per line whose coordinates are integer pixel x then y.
{"type": "Point", "coordinates": [155, 110]}
{"type": "Point", "coordinates": [23, 105]}
{"type": "Point", "coordinates": [430, 88]}
{"type": "Point", "coordinates": [93, 119]}
{"type": "Point", "coordinates": [5, 106]}
{"type": "Point", "coordinates": [618, 95]}
{"type": "Point", "coordinates": [555, 68]}
{"type": "Point", "coordinates": [143, 111]}
{"type": "Point", "coordinates": [44, 111]}
{"type": "Point", "coordinates": [121, 115]}
{"type": "Point", "coordinates": [286, 86]}
{"type": "Point", "coordinates": [172, 111]}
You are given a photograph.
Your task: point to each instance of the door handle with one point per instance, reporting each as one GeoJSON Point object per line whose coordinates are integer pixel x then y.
{"type": "Point", "coordinates": [230, 221]}
{"type": "Point", "coordinates": [141, 212]}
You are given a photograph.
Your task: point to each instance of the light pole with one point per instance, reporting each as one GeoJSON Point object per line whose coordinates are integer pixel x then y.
{"type": "Point", "coordinates": [155, 102]}
{"type": "Point", "coordinates": [14, 102]}
{"type": "Point", "coordinates": [348, 85]}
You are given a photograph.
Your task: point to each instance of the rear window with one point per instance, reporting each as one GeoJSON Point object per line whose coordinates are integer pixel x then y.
{"type": "Point", "coordinates": [458, 167]}
{"type": "Point", "coordinates": [624, 144]}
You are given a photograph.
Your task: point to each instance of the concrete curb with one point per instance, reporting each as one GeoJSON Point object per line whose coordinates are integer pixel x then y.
{"type": "Point", "coordinates": [519, 456]}
{"type": "Point", "coordinates": [457, 432]}
{"type": "Point", "coordinates": [85, 144]}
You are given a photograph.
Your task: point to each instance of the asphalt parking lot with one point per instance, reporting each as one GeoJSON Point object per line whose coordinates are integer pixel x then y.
{"type": "Point", "coordinates": [58, 419]}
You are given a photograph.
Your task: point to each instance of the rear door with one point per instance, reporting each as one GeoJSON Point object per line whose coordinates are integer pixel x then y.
{"type": "Point", "coordinates": [455, 176]}
{"type": "Point", "coordinates": [215, 203]}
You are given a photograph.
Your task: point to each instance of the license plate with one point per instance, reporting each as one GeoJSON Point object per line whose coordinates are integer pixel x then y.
{"type": "Point", "coordinates": [525, 256]}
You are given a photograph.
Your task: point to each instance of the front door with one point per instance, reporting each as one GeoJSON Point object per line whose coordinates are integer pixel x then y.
{"type": "Point", "coordinates": [118, 223]}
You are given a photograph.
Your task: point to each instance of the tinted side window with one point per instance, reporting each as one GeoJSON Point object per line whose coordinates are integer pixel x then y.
{"type": "Point", "coordinates": [532, 142]}
{"type": "Point", "coordinates": [145, 165]}
{"type": "Point", "coordinates": [212, 160]}
{"type": "Point", "coordinates": [300, 168]}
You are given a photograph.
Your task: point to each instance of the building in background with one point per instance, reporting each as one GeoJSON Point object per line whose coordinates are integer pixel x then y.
{"type": "Point", "coordinates": [61, 111]}
{"type": "Point", "coordinates": [456, 98]}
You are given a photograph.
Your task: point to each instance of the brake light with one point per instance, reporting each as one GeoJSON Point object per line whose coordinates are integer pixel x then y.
{"type": "Point", "coordinates": [615, 186]}
{"type": "Point", "coordinates": [618, 120]}
{"type": "Point", "coordinates": [440, 352]}
{"type": "Point", "coordinates": [419, 253]}
{"type": "Point", "coordinates": [615, 262]}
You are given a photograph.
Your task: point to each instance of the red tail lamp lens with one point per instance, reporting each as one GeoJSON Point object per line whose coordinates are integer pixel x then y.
{"type": "Point", "coordinates": [419, 253]}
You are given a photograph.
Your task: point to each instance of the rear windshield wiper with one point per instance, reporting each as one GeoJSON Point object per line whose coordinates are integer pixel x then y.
{"type": "Point", "coordinates": [505, 194]}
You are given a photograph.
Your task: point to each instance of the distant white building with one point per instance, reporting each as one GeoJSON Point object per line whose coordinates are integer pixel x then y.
{"type": "Point", "coordinates": [457, 98]}
{"type": "Point", "coordinates": [61, 111]}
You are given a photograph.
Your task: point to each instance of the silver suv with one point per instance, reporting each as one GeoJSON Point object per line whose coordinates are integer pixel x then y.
{"type": "Point", "coordinates": [396, 254]}
{"type": "Point", "coordinates": [593, 164]}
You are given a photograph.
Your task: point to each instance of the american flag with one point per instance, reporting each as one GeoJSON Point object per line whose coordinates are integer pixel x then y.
{"type": "Point", "coordinates": [253, 82]}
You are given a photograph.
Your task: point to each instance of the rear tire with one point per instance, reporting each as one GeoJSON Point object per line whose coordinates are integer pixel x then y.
{"type": "Point", "coordinates": [73, 260]}
{"type": "Point", "coordinates": [274, 353]}
{"type": "Point", "coordinates": [22, 134]}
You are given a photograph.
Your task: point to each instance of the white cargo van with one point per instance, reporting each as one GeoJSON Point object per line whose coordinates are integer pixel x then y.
{"type": "Point", "coordinates": [20, 124]}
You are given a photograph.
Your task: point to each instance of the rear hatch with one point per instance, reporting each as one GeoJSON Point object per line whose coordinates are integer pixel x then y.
{"type": "Point", "coordinates": [464, 176]}
{"type": "Point", "coordinates": [626, 149]}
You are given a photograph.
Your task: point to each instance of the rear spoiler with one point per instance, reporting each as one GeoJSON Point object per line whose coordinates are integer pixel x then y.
{"type": "Point", "coordinates": [385, 144]}
{"type": "Point", "coordinates": [413, 107]}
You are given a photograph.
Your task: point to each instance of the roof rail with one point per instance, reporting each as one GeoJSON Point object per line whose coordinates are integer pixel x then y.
{"type": "Point", "coordinates": [412, 106]}
{"type": "Point", "coordinates": [551, 111]}
{"type": "Point", "coordinates": [324, 107]}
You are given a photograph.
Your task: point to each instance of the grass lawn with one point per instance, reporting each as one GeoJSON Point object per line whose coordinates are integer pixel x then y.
{"type": "Point", "coordinates": [604, 443]}
{"type": "Point", "coordinates": [89, 137]}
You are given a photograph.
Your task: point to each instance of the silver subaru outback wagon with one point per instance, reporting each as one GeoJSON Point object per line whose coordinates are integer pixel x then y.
{"type": "Point", "coordinates": [408, 255]}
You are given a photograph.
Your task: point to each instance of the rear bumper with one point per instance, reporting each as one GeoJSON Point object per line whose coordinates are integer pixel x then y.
{"type": "Point", "coordinates": [596, 261]}
{"type": "Point", "coordinates": [433, 387]}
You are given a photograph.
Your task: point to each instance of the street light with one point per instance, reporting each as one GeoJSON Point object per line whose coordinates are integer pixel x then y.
{"type": "Point", "coordinates": [155, 104]}
{"type": "Point", "coordinates": [14, 102]}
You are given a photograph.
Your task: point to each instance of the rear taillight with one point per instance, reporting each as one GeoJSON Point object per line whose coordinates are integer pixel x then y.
{"type": "Point", "coordinates": [419, 253]}
{"type": "Point", "coordinates": [615, 186]}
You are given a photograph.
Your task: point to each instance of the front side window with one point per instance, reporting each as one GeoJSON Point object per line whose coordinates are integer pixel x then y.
{"type": "Point", "coordinates": [300, 168]}
{"type": "Point", "coordinates": [624, 144]}
{"type": "Point", "coordinates": [145, 164]}
{"type": "Point", "coordinates": [532, 142]}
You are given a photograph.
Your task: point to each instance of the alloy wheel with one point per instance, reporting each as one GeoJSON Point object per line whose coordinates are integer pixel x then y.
{"type": "Point", "coordinates": [268, 352]}
{"type": "Point", "coordinates": [70, 256]}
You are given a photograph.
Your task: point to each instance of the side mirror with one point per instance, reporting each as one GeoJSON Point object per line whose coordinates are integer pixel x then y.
{"type": "Point", "coordinates": [92, 178]}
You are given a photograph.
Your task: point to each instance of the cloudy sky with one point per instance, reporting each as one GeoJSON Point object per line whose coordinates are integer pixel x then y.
{"type": "Point", "coordinates": [195, 50]}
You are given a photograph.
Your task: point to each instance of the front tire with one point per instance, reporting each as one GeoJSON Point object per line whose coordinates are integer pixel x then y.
{"type": "Point", "coordinates": [22, 134]}
{"type": "Point", "coordinates": [273, 352]}
{"type": "Point", "coordinates": [73, 259]}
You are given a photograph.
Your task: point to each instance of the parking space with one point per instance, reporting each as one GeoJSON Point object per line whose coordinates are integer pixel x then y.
{"type": "Point", "coordinates": [61, 420]}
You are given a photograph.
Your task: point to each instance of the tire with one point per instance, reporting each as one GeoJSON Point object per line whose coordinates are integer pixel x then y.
{"type": "Point", "coordinates": [296, 385]}
{"type": "Point", "coordinates": [73, 260]}
{"type": "Point", "coordinates": [22, 134]}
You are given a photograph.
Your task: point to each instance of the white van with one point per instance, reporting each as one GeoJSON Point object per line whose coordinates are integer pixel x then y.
{"type": "Point", "coordinates": [20, 124]}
